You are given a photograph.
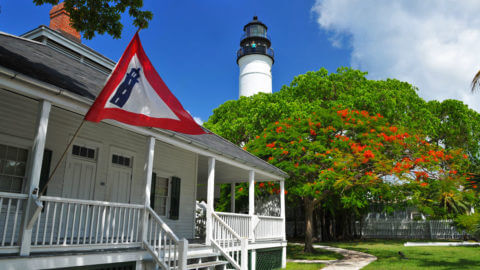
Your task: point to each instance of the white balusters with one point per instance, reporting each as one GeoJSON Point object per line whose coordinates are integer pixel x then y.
{"type": "Point", "coordinates": [163, 244]}
{"type": "Point", "coordinates": [240, 223]}
{"type": "Point", "coordinates": [269, 228]}
{"type": "Point", "coordinates": [232, 246]}
{"type": "Point", "coordinates": [11, 211]}
{"type": "Point", "coordinates": [68, 222]}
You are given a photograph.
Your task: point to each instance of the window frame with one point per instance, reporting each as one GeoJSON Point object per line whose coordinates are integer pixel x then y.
{"type": "Point", "coordinates": [152, 192]}
{"type": "Point", "coordinates": [19, 142]}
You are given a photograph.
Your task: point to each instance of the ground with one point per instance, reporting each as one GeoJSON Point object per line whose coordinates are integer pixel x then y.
{"type": "Point", "coordinates": [295, 252]}
{"type": "Point", "coordinates": [304, 266]}
{"type": "Point", "coordinates": [415, 257]}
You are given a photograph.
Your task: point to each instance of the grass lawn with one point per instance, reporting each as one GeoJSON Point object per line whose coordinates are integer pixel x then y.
{"type": "Point", "coordinates": [296, 252]}
{"type": "Point", "coordinates": [304, 266]}
{"type": "Point", "coordinates": [417, 257]}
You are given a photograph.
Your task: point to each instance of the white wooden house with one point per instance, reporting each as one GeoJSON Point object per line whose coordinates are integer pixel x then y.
{"type": "Point", "coordinates": [125, 196]}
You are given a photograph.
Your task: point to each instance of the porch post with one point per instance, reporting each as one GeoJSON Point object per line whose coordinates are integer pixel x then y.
{"type": "Point", "coordinates": [148, 183]}
{"type": "Point", "coordinates": [210, 200]}
{"type": "Point", "coordinates": [33, 173]}
{"type": "Point", "coordinates": [282, 215]}
{"type": "Point", "coordinates": [251, 202]}
{"type": "Point", "coordinates": [232, 197]}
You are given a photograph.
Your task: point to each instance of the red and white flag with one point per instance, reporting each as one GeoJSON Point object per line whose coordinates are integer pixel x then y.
{"type": "Point", "coordinates": [135, 94]}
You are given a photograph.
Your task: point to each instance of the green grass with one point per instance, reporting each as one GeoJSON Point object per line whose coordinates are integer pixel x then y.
{"type": "Point", "coordinates": [417, 257]}
{"type": "Point", "coordinates": [304, 266]}
{"type": "Point", "coordinates": [295, 252]}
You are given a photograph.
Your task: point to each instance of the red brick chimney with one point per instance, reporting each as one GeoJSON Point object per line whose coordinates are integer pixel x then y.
{"type": "Point", "coordinates": [60, 21]}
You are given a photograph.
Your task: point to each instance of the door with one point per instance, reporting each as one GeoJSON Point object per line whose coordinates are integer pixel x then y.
{"type": "Point", "coordinates": [120, 177]}
{"type": "Point", "coordinates": [81, 172]}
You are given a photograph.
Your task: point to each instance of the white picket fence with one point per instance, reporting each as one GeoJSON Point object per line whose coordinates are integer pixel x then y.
{"type": "Point", "coordinates": [409, 229]}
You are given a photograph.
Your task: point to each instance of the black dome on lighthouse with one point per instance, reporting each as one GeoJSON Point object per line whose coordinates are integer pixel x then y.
{"type": "Point", "coordinates": [255, 40]}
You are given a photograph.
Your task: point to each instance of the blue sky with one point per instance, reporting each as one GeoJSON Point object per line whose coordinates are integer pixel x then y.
{"type": "Point", "coordinates": [432, 44]}
{"type": "Point", "coordinates": [193, 44]}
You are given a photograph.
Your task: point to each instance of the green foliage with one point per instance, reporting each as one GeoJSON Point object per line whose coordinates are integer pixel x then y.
{"type": "Point", "coordinates": [449, 123]}
{"type": "Point", "coordinates": [470, 223]}
{"type": "Point", "coordinates": [348, 155]}
{"type": "Point", "coordinates": [102, 16]}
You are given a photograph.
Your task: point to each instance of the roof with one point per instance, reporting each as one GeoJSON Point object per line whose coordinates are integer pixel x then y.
{"type": "Point", "coordinates": [45, 64]}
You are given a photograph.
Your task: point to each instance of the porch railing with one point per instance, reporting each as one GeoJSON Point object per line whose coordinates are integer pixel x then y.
{"type": "Point", "coordinates": [167, 250]}
{"type": "Point", "coordinates": [240, 223]}
{"type": "Point", "coordinates": [68, 222]}
{"type": "Point", "coordinates": [230, 244]}
{"type": "Point", "coordinates": [11, 211]}
{"type": "Point", "coordinates": [269, 228]}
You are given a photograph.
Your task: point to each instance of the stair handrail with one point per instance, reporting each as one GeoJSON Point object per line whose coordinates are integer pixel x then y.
{"type": "Point", "coordinates": [236, 255]}
{"type": "Point", "coordinates": [162, 252]}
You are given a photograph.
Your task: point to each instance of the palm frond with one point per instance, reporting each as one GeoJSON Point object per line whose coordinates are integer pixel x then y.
{"type": "Point", "coordinates": [475, 82]}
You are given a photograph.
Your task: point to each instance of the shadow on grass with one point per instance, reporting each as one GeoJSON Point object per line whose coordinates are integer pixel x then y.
{"type": "Point", "coordinates": [296, 252]}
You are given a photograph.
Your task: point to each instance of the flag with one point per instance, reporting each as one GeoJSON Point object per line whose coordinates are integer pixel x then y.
{"type": "Point", "coordinates": [136, 95]}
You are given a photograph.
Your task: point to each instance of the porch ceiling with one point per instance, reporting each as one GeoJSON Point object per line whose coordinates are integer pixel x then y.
{"type": "Point", "coordinates": [225, 173]}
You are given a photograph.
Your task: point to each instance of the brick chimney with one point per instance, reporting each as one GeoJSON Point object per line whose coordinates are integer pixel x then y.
{"type": "Point", "coordinates": [60, 21]}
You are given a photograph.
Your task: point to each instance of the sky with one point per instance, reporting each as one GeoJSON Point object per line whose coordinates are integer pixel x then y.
{"type": "Point", "coordinates": [434, 45]}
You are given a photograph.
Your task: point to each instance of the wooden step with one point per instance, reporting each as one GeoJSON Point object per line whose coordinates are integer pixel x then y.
{"type": "Point", "coordinates": [206, 264]}
{"type": "Point", "coordinates": [203, 255]}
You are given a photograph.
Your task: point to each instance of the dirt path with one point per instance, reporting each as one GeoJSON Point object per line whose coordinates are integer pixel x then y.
{"type": "Point", "coordinates": [351, 259]}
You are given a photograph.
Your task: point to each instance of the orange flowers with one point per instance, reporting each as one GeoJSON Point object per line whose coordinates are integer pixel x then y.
{"type": "Point", "coordinates": [368, 154]}
{"type": "Point", "coordinates": [261, 185]}
{"type": "Point", "coordinates": [423, 184]}
{"type": "Point", "coordinates": [343, 113]}
{"type": "Point", "coordinates": [279, 129]}
{"type": "Point", "coordinates": [270, 158]}
{"type": "Point", "coordinates": [271, 145]}
{"type": "Point", "coordinates": [393, 129]}
{"type": "Point", "coordinates": [285, 152]}
{"type": "Point", "coordinates": [423, 175]}
{"type": "Point", "coordinates": [313, 133]}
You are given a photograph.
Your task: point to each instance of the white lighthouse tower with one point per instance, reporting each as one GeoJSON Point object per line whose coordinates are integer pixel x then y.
{"type": "Point", "coordinates": [255, 59]}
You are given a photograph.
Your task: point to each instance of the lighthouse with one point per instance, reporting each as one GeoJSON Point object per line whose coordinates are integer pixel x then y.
{"type": "Point", "coordinates": [255, 59]}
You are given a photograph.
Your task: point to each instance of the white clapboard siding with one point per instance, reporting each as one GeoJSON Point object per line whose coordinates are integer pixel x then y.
{"type": "Point", "coordinates": [17, 125]}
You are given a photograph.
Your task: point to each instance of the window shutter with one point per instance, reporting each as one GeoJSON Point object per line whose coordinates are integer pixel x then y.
{"type": "Point", "coordinates": [152, 190]}
{"type": "Point", "coordinates": [45, 172]}
{"type": "Point", "coordinates": [175, 198]}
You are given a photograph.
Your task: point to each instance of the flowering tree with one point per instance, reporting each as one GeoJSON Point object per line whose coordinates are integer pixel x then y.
{"type": "Point", "coordinates": [350, 157]}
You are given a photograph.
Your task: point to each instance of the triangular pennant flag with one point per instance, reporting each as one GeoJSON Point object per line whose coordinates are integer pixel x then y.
{"type": "Point", "coordinates": [135, 94]}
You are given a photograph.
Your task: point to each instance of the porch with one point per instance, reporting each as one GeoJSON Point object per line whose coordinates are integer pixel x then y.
{"type": "Point", "coordinates": [85, 226]}
{"type": "Point", "coordinates": [109, 207]}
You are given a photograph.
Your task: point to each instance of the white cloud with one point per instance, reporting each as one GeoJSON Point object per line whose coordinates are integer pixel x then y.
{"type": "Point", "coordinates": [198, 120]}
{"type": "Point", "coordinates": [434, 45]}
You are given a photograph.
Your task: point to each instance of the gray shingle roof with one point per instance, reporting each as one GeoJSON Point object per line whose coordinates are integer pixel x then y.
{"type": "Point", "coordinates": [43, 63]}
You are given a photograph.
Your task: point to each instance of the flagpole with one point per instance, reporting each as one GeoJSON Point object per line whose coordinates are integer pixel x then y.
{"type": "Point", "coordinates": [61, 158]}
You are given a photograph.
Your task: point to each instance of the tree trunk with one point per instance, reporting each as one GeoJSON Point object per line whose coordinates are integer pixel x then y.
{"type": "Point", "coordinates": [308, 225]}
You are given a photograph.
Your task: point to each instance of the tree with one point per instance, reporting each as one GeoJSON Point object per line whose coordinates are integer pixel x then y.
{"type": "Point", "coordinates": [102, 16]}
{"type": "Point", "coordinates": [448, 125]}
{"type": "Point", "coordinates": [352, 157]}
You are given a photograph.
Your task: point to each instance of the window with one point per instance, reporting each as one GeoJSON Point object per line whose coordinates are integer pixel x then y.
{"type": "Point", "coordinates": [159, 197]}
{"type": "Point", "coordinates": [165, 196]}
{"type": "Point", "coordinates": [12, 168]}
{"type": "Point", "coordinates": [84, 152]}
{"type": "Point", "coordinates": [121, 160]}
